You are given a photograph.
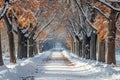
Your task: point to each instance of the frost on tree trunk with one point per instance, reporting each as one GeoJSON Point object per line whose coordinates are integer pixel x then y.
{"type": "Point", "coordinates": [101, 50]}
{"type": "Point", "coordinates": [111, 39]}
{"type": "Point", "coordinates": [1, 59]}
{"type": "Point", "coordinates": [93, 46]}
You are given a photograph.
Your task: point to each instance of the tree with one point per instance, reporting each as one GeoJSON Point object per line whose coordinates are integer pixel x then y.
{"type": "Point", "coordinates": [1, 59]}
{"type": "Point", "coordinates": [114, 12]}
{"type": "Point", "coordinates": [2, 13]}
{"type": "Point", "coordinates": [11, 39]}
{"type": "Point", "coordinates": [102, 6]}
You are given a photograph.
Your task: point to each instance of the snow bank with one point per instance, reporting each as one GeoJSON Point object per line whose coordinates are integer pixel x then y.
{"type": "Point", "coordinates": [23, 69]}
{"type": "Point", "coordinates": [94, 69]}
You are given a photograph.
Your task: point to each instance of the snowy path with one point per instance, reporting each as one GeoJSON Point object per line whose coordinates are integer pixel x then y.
{"type": "Point", "coordinates": [56, 65]}
{"type": "Point", "coordinates": [57, 68]}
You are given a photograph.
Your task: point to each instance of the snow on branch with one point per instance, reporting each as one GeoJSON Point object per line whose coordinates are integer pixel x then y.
{"type": "Point", "coordinates": [80, 26]}
{"type": "Point", "coordinates": [115, 0]}
{"type": "Point", "coordinates": [109, 5]}
{"type": "Point", "coordinates": [83, 13]}
{"type": "Point", "coordinates": [73, 26]}
{"type": "Point", "coordinates": [33, 29]}
{"type": "Point", "coordinates": [24, 30]}
{"type": "Point", "coordinates": [45, 26]}
{"type": "Point", "coordinates": [4, 9]}
{"type": "Point", "coordinates": [101, 12]}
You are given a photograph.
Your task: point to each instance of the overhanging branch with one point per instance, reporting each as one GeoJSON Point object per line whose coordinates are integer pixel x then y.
{"type": "Point", "coordinates": [101, 12]}
{"type": "Point", "coordinates": [87, 20]}
{"type": "Point", "coordinates": [4, 9]}
{"type": "Point", "coordinates": [109, 5]}
{"type": "Point", "coordinates": [45, 26]}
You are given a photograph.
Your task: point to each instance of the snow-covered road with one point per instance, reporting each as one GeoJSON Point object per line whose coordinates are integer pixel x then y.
{"type": "Point", "coordinates": [59, 65]}
{"type": "Point", "coordinates": [65, 66]}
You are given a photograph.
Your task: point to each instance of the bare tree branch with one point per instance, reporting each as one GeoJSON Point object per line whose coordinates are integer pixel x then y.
{"type": "Point", "coordinates": [109, 5]}
{"type": "Point", "coordinates": [73, 26]}
{"type": "Point", "coordinates": [33, 29]}
{"type": "Point", "coordinates": [45, 26]}
{"type": "Point", "coordinates": [82, 11]}
{"type": "Point", "coordinates": [101, 12]}
{"type": "Point", "coordinates": [4, 9]}
{"type": "Point", "coordinates": [70, 32]}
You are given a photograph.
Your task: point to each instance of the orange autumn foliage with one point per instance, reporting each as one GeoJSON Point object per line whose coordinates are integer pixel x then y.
{"type": "Point", "coordinates": [102, 26]}
{"type": "Point", "coordinates": [101, 22]}
{"type": "Point", "coordinates": [24, 14]}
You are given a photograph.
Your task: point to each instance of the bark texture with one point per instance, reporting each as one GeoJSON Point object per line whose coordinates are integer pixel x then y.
{"type": "Point", "coordinates": [101, 50]}
{"type": "Point", "coordinates": [1, 59]}
{"type": "Point", "coordinates": [93, 46]}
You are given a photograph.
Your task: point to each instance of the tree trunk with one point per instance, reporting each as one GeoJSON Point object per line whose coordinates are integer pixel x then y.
{"type": "Point", "coordinates": [31, 47]}
{"type": "Point", "coordinates": [84, 46]}
{"type": "Point", "coordinates": [11, 40]}
{"type": "Point", "coordinates": [93, 46]}
{"type": "Point", "coordinates": [11, 47]}
{"type": "Point", "coordinates": [19, 55]}
{"type": "Point", "coordinates": [1, 59]}
{"type": "Point", "coordinates": [111, 39]}
{"type": "Point", "coordinates": [93, 35]}
{"type": "Point", "coordinates": [73, 46]}
{"type": "Point", "coordinates": [101, 50]}
{"type": "Point", "coordinates": [80, 48]}
{"type": "Point", "coordinates": [22, 45]}
{"type": "Point", "coordinates": [77, 47]}
{"type": "Point", "coordinates": [87, 47]}
{"type": "Point", "coordinates": [35, 48]}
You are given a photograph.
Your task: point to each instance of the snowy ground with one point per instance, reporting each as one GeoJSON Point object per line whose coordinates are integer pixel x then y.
{"type": "Point", "coordinates": [59, 65]}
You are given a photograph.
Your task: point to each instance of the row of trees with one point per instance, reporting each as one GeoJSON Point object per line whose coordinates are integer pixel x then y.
{"type": "Point", "coordinates": [27, 19]}
{"type": "Point", "coordinates": [93, 22]}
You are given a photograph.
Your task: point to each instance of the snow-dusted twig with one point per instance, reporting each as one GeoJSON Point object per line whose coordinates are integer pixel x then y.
{"type": "Point", "coordinates": [4, 10]}
{"type": "Point", "coordinates": [115, 0]}
{"type": "Point", "coordinates": [109, 5]}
